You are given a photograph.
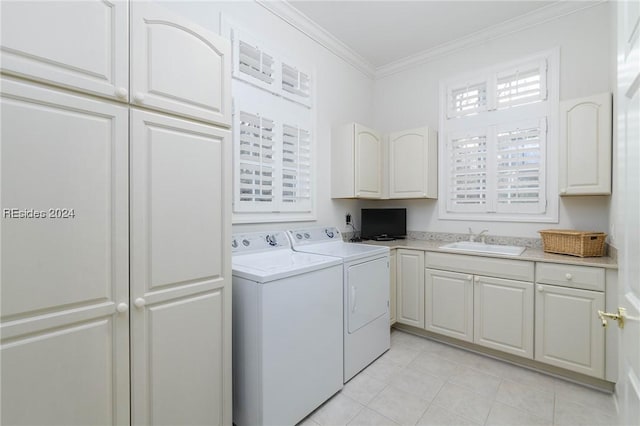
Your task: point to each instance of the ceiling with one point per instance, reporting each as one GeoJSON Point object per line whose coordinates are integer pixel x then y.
{"type": "Point", "coordinates": [386, 31]}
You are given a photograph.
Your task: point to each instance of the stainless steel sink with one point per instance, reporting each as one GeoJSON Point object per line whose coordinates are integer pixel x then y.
{"type": "Point", "coordinates": [473, 247]}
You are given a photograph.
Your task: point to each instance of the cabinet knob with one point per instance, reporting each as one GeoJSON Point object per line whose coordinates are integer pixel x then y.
{"type": "Point", "coordinates": [139, 302]}
{"type": "Point", "coordinates": [139, 97]}
{"type": "Point", "coordinates": [540, 288]}
{"type": "Point", "coordinates": [121, 93]}
{"type": "Point", "coordinates": [563, 191]}
{"type": "Point", "coordinates": [469, 277]}
{"type": "Point", "coordinates": [122, 307]}
{"type": "Point", "coordinates": [568, 276]}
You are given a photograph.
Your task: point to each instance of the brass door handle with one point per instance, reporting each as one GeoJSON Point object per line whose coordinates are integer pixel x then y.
{"type": "Point", "coordinates": [617, 316]}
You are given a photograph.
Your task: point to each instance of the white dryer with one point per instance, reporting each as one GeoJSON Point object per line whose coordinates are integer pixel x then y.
{"type": "Point", "coordinates": [365, 293]}
{"type": "Point", "coordinates": [287, 330]}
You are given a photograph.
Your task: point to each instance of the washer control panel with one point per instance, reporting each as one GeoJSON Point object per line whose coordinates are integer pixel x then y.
{"type": "Point", "coordinates": [259, 241]}
{"type": "Point", "coordinates": [314, 235]}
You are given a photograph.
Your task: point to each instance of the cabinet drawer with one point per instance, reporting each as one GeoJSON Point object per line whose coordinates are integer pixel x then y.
{"type": "Point", "coordinates": [585, 277]}
{"type": "Point", "coordinates": [520, 270]}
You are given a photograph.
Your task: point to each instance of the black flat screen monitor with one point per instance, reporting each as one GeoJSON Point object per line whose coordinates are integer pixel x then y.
{"type": "Point", "coordinates": [383, 224]}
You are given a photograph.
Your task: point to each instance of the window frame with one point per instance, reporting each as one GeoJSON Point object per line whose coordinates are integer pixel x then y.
{"type": "Point", "coordinates": [487, 121]}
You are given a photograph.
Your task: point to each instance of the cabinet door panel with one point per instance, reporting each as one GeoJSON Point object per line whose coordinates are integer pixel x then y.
{"type": "Point", "coordinates": [410, 289]}
{"type": "Point", "coordinates": [75, 158]}
{"type": "Point", "coordinates": [585, 154]}
{"type": "Point", "coordinates": [368, 163]}
{"type": "Point", "coordinates": [503, 315]}
{"type": "Point", "coordinates": [63, 344]}
{"type": "Point", "coordinates": [186, 365]}
{"type": "Point", "coordinates": [73, 384]}
{"type": "Point", "coordinates": [181, 268]}
{"type": "Point", "coordinates": [568, 331]}
{"type": "Point", "coordinates": [179, 67]}
{"type": "Point", "coordinates": [449, 304]}
{"type": "Point", "coordinates": [413, 164]}
{"type": "Point", "coordinates": [80, 45]}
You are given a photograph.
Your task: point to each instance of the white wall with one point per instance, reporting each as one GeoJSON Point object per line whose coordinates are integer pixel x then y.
{"type": "Point", "coordinates": [410, 99]}
{"type": "Point", "coordinates": [343, 93]}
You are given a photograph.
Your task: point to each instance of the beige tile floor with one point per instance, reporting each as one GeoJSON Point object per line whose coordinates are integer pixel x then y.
{"type": "Point", "coordinates": [421, 382]}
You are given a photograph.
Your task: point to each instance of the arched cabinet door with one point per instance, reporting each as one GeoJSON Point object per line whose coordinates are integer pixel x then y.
{"type": "Point", "coordinates": [585, 146]}
{"type": "Point", "coordinates": [78, 45]}
{"type": "Point", "coordinates": [179, 67]}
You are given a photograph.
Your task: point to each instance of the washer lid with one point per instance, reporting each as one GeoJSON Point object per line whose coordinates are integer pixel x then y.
{"type": "Point", "coordinates": [346, 251]}
{"type": "Point", "coordinates": [273, 265]}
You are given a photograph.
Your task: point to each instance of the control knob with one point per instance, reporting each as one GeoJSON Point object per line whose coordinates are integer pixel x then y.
{"type": "Point", "coordinates": [271, 239]}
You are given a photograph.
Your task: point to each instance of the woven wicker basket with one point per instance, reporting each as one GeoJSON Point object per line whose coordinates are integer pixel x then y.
{"type": "Point", "coordinates": [575, 243]}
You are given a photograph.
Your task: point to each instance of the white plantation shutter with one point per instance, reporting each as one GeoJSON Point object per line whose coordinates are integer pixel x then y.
{"type": "Point", "coordinates": [273, 156]}
{"type": "Point", "coordinates": [467, 99]}
{"type": "Point", "coordinates": [253, 62]}
{"type": "Point", "coordinates": [272, 132]}
{"type": "Point", "coordinates": [468, 173]}
{"type": "Point", "coordinates": [296, 84]}
{"type": "Point", "coordinates": [296, 167]}
{"type": "Point", "coordinates": [521, 85]}
{"type": "Point", "coordinates": [255, 177]}
{"type": "Point", "coordinates": [494, 127]}
{"type": "Point", "coordinates": [520, 152]}
{"type": "Point", "coordinates": [260, 65]}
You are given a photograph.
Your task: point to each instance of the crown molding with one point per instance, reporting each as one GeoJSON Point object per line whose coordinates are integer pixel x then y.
{"type": "Point", "coordinates": [304, 24]}
{"type": "Point", "coordinates": [531, 19]}
{"type": "Point", "coordinates": [285, 11]}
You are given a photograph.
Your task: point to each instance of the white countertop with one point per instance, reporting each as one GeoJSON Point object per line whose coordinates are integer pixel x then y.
{"type": "Point", "coordinates": [530, 254]}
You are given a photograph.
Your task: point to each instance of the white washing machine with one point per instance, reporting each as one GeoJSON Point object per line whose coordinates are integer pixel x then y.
{"type": "Point", "coordinates": [365, 293]}
{"type": "Point", "coordinates": [287, 330]}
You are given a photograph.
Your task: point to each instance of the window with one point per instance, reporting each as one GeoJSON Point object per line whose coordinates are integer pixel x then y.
{"type": "Point", "coordinates": [272, 134]}
{"type": "Point", "coordinates": [497, 127]}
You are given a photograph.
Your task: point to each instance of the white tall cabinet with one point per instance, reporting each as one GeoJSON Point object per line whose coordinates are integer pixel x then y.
{"type": "Point", "coordinates": [116, 310]}
{"type": "Point", "coordinates": [65, 289]}
{"type": "Point", "coordinates": [180, 277]}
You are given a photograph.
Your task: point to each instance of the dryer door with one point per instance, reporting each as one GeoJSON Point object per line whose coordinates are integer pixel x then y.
{"type": "Point", "coordinates": [367, 292]}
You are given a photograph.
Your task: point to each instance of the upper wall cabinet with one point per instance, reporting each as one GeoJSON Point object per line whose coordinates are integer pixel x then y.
{"type": "Point", "coordinates": [401, 165]}
{"type": "Point", "coordinates": [77, 45]}
{"type": "Point", "coordinates": [413, 164]}
{"type": "Point", "coordinates": [179, 67]}
{"type": "Point", "coordinates": [356, 161]}
{"type": "Point", "coordinates": [585, 146]}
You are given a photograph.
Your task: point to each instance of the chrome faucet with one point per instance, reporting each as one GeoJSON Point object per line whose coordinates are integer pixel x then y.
{"type": "Point", "coordinates": [481, 236]}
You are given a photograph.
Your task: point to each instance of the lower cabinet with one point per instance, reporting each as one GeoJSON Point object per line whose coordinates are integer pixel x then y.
{"type": "Point", "coordinates": [568, 332]}
{"type": "Point", "coordinates": [503, 315]}
{"type": "Point", "coordinates": [496, 304]}
{"type": "Point", "coordinates": [448, 299]}
{"type": "Point", "coordinates": [410, 287]}
{"type": "Point", "coordinates": [392, 287]}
